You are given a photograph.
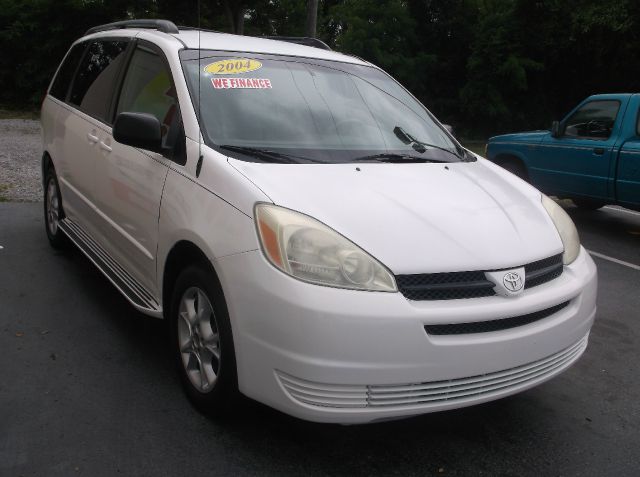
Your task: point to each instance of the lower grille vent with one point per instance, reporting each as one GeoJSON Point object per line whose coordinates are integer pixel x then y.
{"type": "Point", "coordinates": [433, 394]}
{"type": "Point", "coordinates": [492, 325]}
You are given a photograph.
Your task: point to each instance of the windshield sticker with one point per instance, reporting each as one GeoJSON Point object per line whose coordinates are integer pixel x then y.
{"type": "Point", "coordinates": [233, 66]}
{"type": "Point", "coordinates": [241, 83]}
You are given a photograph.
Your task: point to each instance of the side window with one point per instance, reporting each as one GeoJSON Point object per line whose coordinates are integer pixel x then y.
{"type": "Point", "coordinates": [148, 88]}
{"type": "Point", "coordinates": [94, 84]}
{"type": "Point", "coordinates": [594, 120]}
{"type": "Point", "coordinates": [63, 79]}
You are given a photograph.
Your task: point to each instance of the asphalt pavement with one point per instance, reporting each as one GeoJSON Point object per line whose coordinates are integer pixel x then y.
{"type": "Point", "coordinates": [87, 387]}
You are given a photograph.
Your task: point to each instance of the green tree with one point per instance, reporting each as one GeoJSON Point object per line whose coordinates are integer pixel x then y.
{"type": "Point", "coordinates": [444, 31]}
{"type": "Point", "coordinates": [382, 32]}
{"type": "Point", "coordinates": [34, 37]}
{"type": "Point", "coordinates": [497, 69]}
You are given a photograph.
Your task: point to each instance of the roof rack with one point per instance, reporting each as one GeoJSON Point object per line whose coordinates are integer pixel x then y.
{"type": "Point", "coordinates": [164, 26]}
{"type": "Point", "coordinates": [302, 40]}
{"type": "Point", "coordinates": [195, 28]}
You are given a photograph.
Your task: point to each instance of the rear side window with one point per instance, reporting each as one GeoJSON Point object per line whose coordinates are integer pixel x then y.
{"type": "Point", "coordinates": [65, 73]}
{"type": "Point", "coordinates": [148, 88]}
{"type": "Point", "coordinates": [94, 83]}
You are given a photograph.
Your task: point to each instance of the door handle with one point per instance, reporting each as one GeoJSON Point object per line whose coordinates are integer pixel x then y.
{"type": "Point", "coordinates": [92, 138]}
{"type": "Point", "coordinates": [599, 151]}
{"type": "Point", "coordinates": [105, 147]}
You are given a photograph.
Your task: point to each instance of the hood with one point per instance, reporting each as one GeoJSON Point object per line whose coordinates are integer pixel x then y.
{"type": "Point", "coordinates": [528, 136]}
{"type": "Point", "coordinates": [419, 218]}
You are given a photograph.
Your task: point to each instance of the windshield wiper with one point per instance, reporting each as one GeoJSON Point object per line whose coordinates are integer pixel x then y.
{"type": "Point", "coordinates": [395, 158]}
{"type": "Point", "coordinates": [266, 155]}
{"type": "Point", "coordinates": [420, 146]}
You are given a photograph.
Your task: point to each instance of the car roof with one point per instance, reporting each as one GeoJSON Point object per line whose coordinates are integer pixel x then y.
{"type": "Point", "coordinates": [209, 40]}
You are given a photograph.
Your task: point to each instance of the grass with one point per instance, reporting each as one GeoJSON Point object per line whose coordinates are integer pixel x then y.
{"type": "Point", "coordinates": [18, 114]}
{"type": "Point", "coordinates": [3, 189]}
{"type": "Point", "coordinates": [475, 146]}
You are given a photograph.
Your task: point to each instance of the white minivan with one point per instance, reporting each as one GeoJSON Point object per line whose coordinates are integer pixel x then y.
{"type": "Point", "coordinates": [315, 238]}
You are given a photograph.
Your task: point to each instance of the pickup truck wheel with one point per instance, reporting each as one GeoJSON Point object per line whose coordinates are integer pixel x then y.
{"type": "Point", "coordinates": [53, 211]}
{"type": "Point", "coordinates": [588, 204]}
{"type": "Point", "coordinates": [516, 169]}
{"type": "Point", "coordinates": [202, 341]}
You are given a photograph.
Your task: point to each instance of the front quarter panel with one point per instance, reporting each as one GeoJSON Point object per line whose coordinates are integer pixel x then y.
{"type": "Point", "coordinates": [212, 210]}
{"type": "Point", "coordinates": [524, 147]}
{"type": "Point", "coordinates": [193, 213]}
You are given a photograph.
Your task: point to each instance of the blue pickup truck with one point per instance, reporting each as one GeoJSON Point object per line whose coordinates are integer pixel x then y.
{"type": "Point", "coordinates": [592, 156]}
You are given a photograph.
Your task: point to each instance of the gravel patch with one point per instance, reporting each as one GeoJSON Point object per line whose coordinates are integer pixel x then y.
{"type": "Point", "coordinates": [20, 155]}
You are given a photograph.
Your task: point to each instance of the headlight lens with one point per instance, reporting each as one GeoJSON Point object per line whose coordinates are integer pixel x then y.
{"type": "Point", "coordinates": [310, 251]}
{"type": "Point", "coordinates": [566, 229]}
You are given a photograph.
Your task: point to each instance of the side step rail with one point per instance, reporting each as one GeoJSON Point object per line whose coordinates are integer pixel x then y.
{"type": "Point", "coordinates": [132, 290]}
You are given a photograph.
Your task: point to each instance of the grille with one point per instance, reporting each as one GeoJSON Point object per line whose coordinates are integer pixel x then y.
{"type": "Point", "coordinates": [432, 394]}
{"type": "Point", "coordinates": [492, 325]}
{"type": "Point", "coordinates": [474, 284]}
{"type": "Point", "coordinates": [445, 286]}
{"type": "Point", "coordinates": [543, 271]}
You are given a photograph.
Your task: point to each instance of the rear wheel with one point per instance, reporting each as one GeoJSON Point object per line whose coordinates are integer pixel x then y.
{"type": "Point", "coordinates": [588, 204]}
{"type": "Point", "coordinates": [202, 341]}
{"type": "Point", "coordinates": [53, 211]}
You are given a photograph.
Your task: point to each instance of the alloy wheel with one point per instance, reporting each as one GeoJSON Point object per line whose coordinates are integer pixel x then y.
{"type": "Point", "coordinates": [199, 339]}
{"type": "Point", "coordinates": [53, 206]}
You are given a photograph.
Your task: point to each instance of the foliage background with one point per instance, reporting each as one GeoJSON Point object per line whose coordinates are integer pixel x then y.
{"type": "Point", "coordinates": [485, 66]}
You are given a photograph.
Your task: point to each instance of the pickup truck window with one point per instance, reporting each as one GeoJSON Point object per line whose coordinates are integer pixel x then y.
{"type": "Point", "coordinates": [593, 120]}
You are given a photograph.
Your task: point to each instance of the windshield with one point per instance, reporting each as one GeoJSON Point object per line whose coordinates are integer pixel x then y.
{"type": "Point", "coordinates": [262, 107]}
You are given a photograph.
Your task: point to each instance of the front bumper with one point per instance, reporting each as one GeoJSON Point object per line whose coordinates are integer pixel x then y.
{"type": "Point", "coordinates": [333, 355]}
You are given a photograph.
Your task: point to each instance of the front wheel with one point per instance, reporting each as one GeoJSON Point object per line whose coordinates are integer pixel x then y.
{"type": "Point", "coordinates": [53, 211]}
{"type": "Point", "coordinates": [203, 342]}
{"type": "Point", "coordinates": [516, 169]}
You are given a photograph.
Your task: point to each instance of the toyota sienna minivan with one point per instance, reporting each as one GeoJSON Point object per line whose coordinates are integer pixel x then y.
{"type": "Point", "coordinates": [315, 238]}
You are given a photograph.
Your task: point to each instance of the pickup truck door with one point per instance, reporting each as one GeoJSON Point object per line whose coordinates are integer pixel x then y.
{"type": "Point", "coordinates": [578, 162]}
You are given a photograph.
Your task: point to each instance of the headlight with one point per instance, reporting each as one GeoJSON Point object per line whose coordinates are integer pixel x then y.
{"type": "Point", "coordinates": [566, 229]}
{"type": "Point", "coordinates": [310, 251]}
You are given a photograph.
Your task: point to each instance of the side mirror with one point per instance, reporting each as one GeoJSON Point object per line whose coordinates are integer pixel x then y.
{"type": "Point", "coordinates": [555, 129]}
{"type": "Point", "coordinates": [449, 128]}
{"type": "Point", "coordinates": [141, 130]}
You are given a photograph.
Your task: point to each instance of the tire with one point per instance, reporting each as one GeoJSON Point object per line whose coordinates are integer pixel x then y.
{"type": "Point", "coordinates": [53, 211]}
{"type": "Point", "coordinates": [202, 342]}
{"type": "Point", "coordinates": [516, 169]}
{"type": "Point", "coordinates": [588, 204]}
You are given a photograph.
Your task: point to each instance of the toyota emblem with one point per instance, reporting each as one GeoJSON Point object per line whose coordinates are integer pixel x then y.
{"type": "Point", "coordinates": [512, 282]}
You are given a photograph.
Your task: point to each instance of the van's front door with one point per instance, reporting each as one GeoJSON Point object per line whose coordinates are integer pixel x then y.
{"type": "Point", "coordinates": [131, 180]}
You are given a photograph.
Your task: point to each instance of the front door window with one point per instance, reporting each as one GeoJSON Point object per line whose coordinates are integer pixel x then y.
{"type": "Point", "coordinates": [593, 120]}
{"type": "Point", "coordinates": [148, 88]}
